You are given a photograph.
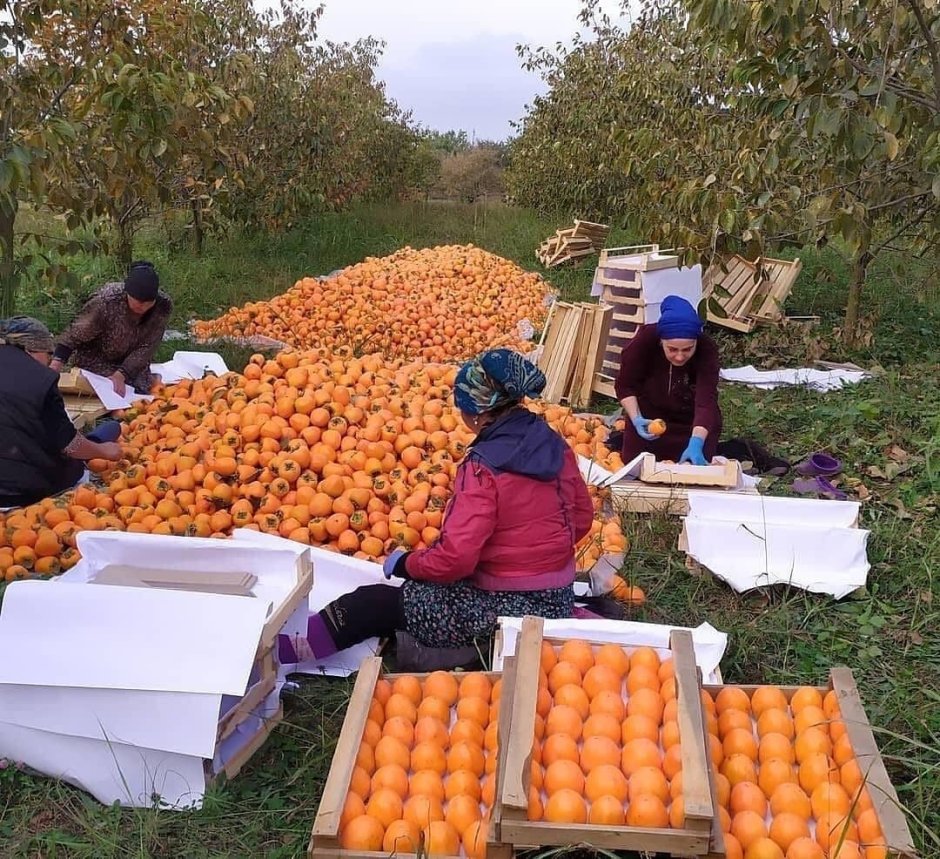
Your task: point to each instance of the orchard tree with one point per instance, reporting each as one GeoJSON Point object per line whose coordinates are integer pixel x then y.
{"type": "Point", "coordinates": [855, 90]}
{"type": "Point", "coordinates": [157, 114]}
{"type": "Point", "coordinates": [51, 58]}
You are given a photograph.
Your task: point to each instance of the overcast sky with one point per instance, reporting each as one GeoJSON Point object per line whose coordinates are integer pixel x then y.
{"type": "Point", "coordinates": [453, 63]}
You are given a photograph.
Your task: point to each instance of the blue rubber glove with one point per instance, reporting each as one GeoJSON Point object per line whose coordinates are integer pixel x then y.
{"type": "Point", "coordinates": [641, 425]}
{"type": "Point", "coordinates": [394, 565]}
{"type": "Point", "coordinates": [694, 452]}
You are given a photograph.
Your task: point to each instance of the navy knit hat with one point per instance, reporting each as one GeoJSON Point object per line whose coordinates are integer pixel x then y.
{"type": "Point", "coordinates": [142, 281]}
{"type": "Point", "coordinates": [678, 320]}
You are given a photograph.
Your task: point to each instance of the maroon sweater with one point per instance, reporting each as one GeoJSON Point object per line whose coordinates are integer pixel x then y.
{"type": "Point", "coordinates": [684, 397]}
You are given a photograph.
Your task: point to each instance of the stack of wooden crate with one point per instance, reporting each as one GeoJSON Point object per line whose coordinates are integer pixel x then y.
{"type": "Point", "coordinates": [572, 344]}
{"type": "Point", "coordinates": [81, 401]}
{"type": "Point", "coordinates": [582, 240]}
{"type": "Point", "coordinates": [748, 293]}
{"type": "Point", "coordinates": [634, 281]}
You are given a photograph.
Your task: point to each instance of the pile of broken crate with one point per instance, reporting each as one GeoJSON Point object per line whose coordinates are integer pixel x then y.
{"type": "Point", "coordinates": [582, 240]}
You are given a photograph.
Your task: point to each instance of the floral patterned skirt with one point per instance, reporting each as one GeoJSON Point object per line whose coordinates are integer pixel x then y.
{"type": "Point", "coordinates": [456, 614]}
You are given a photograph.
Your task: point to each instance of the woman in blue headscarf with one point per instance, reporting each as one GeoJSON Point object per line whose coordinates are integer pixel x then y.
{"type": "Point", "coordinates": [507, 541]}
{"type": "Point", "coordinates": [669, 371]}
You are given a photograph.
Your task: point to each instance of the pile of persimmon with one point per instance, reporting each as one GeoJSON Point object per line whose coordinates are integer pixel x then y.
{"type": "Point", "coordinates": [425, 769]}
{"type": "Point", "coordinates": [606, 742]}
{"type": "Point", "coordinates": [353, 454]}
{"type": "Point", "coordinates": [787, 779]}
{"type": "Point", "coordinates": [441, 304]}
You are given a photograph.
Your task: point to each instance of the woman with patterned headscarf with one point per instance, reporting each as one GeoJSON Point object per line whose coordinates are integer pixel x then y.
{"type": "Point", "coordinates": [507, 541]}
{"type": "Point", "coordinates": [41, 453]}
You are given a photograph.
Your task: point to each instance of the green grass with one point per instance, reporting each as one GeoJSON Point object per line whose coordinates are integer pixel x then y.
{"type": "Point", "coordinates": [886, 430]}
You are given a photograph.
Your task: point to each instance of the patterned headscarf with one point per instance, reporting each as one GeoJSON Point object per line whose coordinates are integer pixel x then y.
{"type": "Point", "coordinates": [494, 379]}
{"type": "Point", "coordinates": [26, 333]}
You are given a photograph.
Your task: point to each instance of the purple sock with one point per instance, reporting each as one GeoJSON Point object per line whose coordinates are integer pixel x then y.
{"type": "Point", "coordinates": [318, 637]}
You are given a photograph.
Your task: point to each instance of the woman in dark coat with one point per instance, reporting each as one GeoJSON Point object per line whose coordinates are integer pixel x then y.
{"type": "Point", "coordinates": [41, 453]}
{"type": "Point", "coordinates": [669, 371]}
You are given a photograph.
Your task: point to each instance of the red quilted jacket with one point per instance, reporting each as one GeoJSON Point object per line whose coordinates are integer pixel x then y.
{"type": "Point", "coordinates": [519, 507]}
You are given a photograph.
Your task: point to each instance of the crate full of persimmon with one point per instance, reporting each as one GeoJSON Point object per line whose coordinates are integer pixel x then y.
{"type": "Point", "coordinates": [607, 747]}
{"type": "Point", "coordinates": [799, 775]}
{"type": "Point", "coordinates": [416, 767]}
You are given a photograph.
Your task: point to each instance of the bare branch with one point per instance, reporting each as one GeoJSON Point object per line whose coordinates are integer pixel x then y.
{"type": "Point", "coordinates": [931, 48]}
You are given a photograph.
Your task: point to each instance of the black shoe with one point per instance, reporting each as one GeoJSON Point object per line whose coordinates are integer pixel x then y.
{"type": "Point", "coordinates": [605, 606]}
{"type": "Point", "coordinates": [411, 655]}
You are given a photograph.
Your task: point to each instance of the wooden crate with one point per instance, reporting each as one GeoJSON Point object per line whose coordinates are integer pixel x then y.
{"type": "Point", "coordinates": [572, 344]}
{"type": "Point", "coordinates": [325, 835]}
{"type": "Point", "coordinates": [725, 474]}
{"type": "Point", "coordinates": [748, 294]}
{"type": "Point", "coordinates": [263, 678]}
{"type": "Point", "coordinates": [884, 798]}
{"type": "Point", "coordinates": [635, 496]}
{"type": "Point", "coordinates": [694, 839]}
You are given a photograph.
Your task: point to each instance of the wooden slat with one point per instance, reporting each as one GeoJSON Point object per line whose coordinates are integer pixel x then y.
{"type": "Point", "coordinates": [235, 764]}
{"type": "Point", "coordinates": [676, 842]}
{"type": "Point", "coordinates": [525, 690]}
{"type": "Point", "coordinates": [883, 796]}
{"type": "Point", "coordinates": [600, 326]}
{"type": "Point", "coordinates": [696, 763]}
{"type": "Point", "coordinates": [333, 798]}
{"type": "Point", "coordinates": [725, 474]}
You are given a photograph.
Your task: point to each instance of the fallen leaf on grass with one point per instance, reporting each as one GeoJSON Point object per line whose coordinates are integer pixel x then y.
{"type": "Point", "coordinates": [898, 454]}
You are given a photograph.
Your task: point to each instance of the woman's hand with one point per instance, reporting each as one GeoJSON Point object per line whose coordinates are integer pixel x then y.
{"type": "Point", "coordinates": [119, 383]}
{"type": "Point", "coordinates": [642, 427]}
{"type": "Point", "coordinates": [394, 565]}
{"type": "Point", "coordinates": [56, 365]}
{"type": "Point", "coordinates": [694, 452]}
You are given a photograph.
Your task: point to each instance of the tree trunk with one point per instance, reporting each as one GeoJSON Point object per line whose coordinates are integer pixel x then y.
{"type": "Point", "coordinates": [198, 226]}
{"type": "Point", "coordinates": [125, 245]}
{"type": "Point", "coordinates": [853, 305]}
{"type": "Point", "coordinates": [8, 273]}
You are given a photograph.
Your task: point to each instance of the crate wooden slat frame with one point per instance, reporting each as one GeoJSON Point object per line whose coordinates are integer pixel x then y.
{"type": "Point", "coordinates": [725, 474]}
{"type": "Point", "coordinates": [324, 836]}
{"type": "Point", "coordinates": [757, 293]}
{"type": "Point", "coordinates": [572, 342]}
{"type": "Point", "coordinates": [696, 836]}
{"type": "Point", "coordinates": [888, 808]}
{"type": "Point", "coordinates": [244, 755]}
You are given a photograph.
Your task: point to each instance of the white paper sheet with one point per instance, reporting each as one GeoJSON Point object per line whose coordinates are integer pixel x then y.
{"type": "Point", "coordinates": [817, 380]}
{"type": "Point", "coordinates": [115, 637]}
{"type": "Point", "coordinates": [104, 389]}
{"type": "Point", "coordinates": [110, 772]}
{"type": "Point", "coordinates": [189, 365]}
{"type": "Point", "coordinates": [657, 285]}
{"type": "Point", "coordinates": [180, 722]}
{"type": "Point", "coordinates": [772, 510]}
{"type": "Point", "coordinates": [749, 544]}
{"type": "Point", "coordinates": [708, 642]}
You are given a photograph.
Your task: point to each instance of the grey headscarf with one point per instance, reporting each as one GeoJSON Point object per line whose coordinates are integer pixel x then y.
{"type": "Point", "coordinates": [26, 333]}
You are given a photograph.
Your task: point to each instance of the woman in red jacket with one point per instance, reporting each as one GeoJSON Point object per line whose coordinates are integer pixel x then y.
{"type": "Point", "coordinates": [507, 542]}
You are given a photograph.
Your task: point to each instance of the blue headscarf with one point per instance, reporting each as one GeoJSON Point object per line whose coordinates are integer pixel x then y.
{"type": "Point", "coordinates": [678, 320]}
{"type": "Point", "coordinates": [494, 379]}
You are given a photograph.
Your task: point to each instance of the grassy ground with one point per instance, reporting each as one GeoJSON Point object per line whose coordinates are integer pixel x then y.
{"type": "Point", "coordinates": [887, 431]}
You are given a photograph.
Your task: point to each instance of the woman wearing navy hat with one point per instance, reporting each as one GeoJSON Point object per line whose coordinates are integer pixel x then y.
{"type": "Point", "coordinates": [118, 331]}
{"type": "Point", "coordinates": [669, 371]}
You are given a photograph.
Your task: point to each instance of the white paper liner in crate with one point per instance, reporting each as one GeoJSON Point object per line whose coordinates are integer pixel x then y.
{"type": "Point", "coordinates": [709, 643]}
